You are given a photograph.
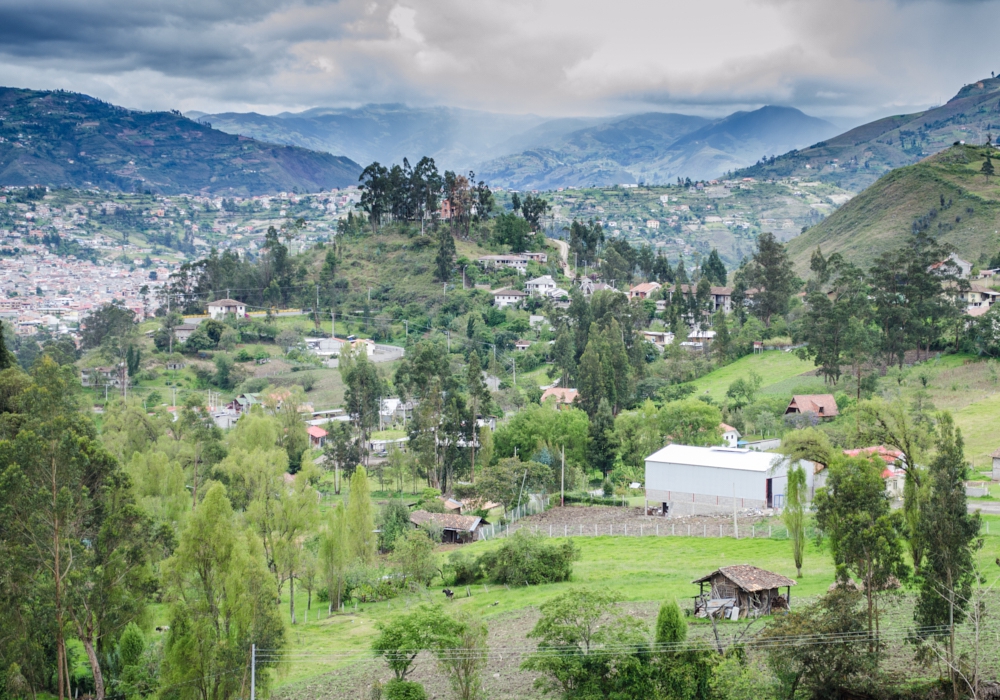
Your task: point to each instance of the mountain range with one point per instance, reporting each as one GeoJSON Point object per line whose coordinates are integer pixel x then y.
{"type": "Point", "coordinates": [858, 157]}
{"type": "Point", "coordinates": [656, 148]}
{"type": "Point", "coordinates": [531, 152]}
{"type": "Point", "coordinates": [66, 139]}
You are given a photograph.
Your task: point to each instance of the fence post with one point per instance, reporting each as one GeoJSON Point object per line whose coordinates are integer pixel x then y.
{"type": "Point", "coordinates": [626, 530]}
{"type": "Point", "coordinates": [704, 529]}
{"type": "Point", "coordinates": [565, 530]}
{"type": "Point", "coordinates": [768, 532]}
{"type": "Point", "coordinates": [720, 529]}
{"type": "Point", "coordinates": [753, 531]}
{"type": "Point", "coordinates": [657, 529]}
{"type": "Point", "coordinates": [689, 530]}
{"type": "Point", "coordinates": [550, 530]}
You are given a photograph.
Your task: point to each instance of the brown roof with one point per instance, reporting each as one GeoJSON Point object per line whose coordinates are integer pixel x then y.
{"type": "Point", "coordinates": [226, 302]}
{"type": "Point", "coordinates": [750, 578]}
{"type": "Point", "coordinates": [561, 395]}
{"type": "Point", "coordinates": [820, 404]}
{"type": "Point", "coordinates": [448, 521]}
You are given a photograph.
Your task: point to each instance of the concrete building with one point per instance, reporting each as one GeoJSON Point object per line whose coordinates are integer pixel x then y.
{"type": "Point", "coordinates": [693, 480]}
{"type": "Point", "coordinates": [218, 309]}
{"type": "Point", "coordinates": [502, 298]}
{"type": "Point", "coordinates": [540, 286]}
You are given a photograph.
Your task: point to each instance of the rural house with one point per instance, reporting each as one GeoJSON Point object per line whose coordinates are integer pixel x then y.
{"type": "Point", "coordinates": [502, 298]}
{"type": "Point", "coordinates": [559, 395]}
{"type": "Point", "coordinates": [218, 309]}
{"type": "Point", "coordinates": [317, 436]}
{"type": "Point", "coordinates": [697, 480]}
{"type": "Point", "coordinates": [540, 286]}
{"type": "Point", "coordinates": [644, 290]}
{"type": "Point", "coordinates": [822, 405]}
{"type": "Point", "coordinates": [730, 435]}
{"type": "Point", "coordinates": [456, 529]}
{"type": "Point", "coordinates": [742, 591]}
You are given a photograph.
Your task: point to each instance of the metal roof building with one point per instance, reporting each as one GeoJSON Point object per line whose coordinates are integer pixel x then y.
{"type": "Point", "coordinates": [690, 480]}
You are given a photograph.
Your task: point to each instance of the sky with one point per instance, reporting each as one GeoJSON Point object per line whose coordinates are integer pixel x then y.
{"type": "Point", "coordinates": [849, 60]}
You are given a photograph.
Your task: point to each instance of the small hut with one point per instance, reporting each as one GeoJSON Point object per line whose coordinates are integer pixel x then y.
{"type": "Point", "coordinates": [741, 590]}
{"type": "Point", "coordinates": [455, 529]}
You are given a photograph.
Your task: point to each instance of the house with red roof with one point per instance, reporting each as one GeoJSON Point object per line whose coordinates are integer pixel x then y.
{"type": "Point", "coordinates": [317, 436]}
{"type": "Point", "coordinates": [821, 405]}
{"type": "Point", "coordinates": [562, 396]}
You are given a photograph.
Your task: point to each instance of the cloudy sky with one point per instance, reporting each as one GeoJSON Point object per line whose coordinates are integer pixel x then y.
{"type": "Point", "coordinates": [846, 59]}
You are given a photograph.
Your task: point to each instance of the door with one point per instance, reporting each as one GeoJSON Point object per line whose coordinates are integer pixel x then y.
{"type": "Point", "coordinates": [768, 494]}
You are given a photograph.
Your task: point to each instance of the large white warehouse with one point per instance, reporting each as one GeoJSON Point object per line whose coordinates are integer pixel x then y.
{"type": "Point", "coordinates": [688, 480]}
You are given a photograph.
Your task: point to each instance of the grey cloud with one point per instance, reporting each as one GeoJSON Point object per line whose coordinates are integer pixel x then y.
{"type": "Point", "coordinates": [555, 57]}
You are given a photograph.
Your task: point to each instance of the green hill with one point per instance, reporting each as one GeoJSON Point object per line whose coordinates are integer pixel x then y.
{"type": "Point", "coordinates": [857, 158]}
{"type": "Point", "coordinates": [945, 193]}
{"type": "Point", "coordinates": [65, 139]}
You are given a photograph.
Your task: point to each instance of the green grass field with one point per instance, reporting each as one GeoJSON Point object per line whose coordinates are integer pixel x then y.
{"type": "Point", "coordinates": [774, 366]}
{"type": "Point", "coordinates": [639, 569]}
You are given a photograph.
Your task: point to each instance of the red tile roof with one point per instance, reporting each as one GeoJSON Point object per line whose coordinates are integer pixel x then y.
{"type": "Point", "coordinates": [316, 431]}
{"type": "Point", "coordinates": [561, 395]}
{"type": "Point", "coordinates": [821, 404]}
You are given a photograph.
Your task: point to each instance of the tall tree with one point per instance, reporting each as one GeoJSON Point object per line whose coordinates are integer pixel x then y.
{"type": "Point", "coordinates": [794, 513]}
{"type": "Point", "coordinates": [375, 192]}
{"type": "Point", "coordinates": [224, 603]}
{"type": "Point", "coordinates": [770, 276]}
{"type": "Point", "coordinates": [335, 556]}
{"type": "Point", "coordinates": [865, 534]}
{"type": "Point", "coordinates": [714, 269]}
{"type": "Point", "coordinates": [445, 258]}
{"type": "Point", "coordinates": [361, 518]}
{"type": "Point", "coordinates": [951, 536]}
{"type": "Point", "coordinates": [363, 398]}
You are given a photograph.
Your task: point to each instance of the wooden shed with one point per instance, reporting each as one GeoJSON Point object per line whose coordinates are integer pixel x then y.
{"type": "Point", "coordinates": [742, 590]}
{"type": "Point", "coordinates": [456, 529]}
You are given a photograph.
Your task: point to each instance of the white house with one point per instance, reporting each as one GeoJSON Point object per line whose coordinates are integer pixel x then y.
{"type": "Point", "coordinates": [653, 224]}
{"type": "Point", "coordinates": [691, 480]}
{"type": "Point", "coordinates": [218, 309]}
{"type": "Point", "coordinates": [540, 286]}
{"type": "Point", "coordinates": [730, 435]}
{"type": "Point", "coordinates": [502, 298]}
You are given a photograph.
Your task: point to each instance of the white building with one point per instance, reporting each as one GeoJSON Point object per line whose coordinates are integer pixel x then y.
{"type": "Point", "coordinates": [218, 309]}
{"type": "Point", "coordinates": [502, 298]}
{"type": "Point", "coordinates": [540, 286]}
{"type": "Point", "coordinates": [730, 435]}
{"type": "Point", "coordinates": [690, 480]}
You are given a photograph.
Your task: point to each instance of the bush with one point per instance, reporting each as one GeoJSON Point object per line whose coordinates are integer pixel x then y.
{"type": "Point", "coordinates": [529, 559]}
{"type": "Point", "coordinates": [464, 567]}
{"type": "Point", "coordinates": [404, 690]}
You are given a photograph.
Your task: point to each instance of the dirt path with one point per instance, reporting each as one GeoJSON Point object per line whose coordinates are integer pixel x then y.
{"type": "Point", "coordinates": [563, 247]}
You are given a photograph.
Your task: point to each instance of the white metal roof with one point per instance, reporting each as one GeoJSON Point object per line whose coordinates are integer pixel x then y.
{"type": "Point", "coordinates": [719, 457]}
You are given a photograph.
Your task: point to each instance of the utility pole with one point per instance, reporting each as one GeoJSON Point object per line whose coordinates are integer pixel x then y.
{"type": "Point", "coordinates": [253, 672]}
{"type": "Point", "coordinates": [736, 526]}
{"type": "Point", "coordinates": [406, 337]}
{"type": "Point", "coordinates": [333, 323]}
{"type": "Point", "coordinates": [444, 290]}
{"type": "Point", "coordinates": [448, 333]}
{"type": "Point", "coordinates": [562, 480]}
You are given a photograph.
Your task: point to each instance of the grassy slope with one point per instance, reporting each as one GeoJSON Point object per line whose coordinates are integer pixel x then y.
{"type": "Point", "coordinates": [880, 218]}
{"type": "Point", "coordinates": [773, 367]}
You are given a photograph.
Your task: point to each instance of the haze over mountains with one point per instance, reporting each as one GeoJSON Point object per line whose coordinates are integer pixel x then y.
{"type": "Point", "coordinates": [530, 152]}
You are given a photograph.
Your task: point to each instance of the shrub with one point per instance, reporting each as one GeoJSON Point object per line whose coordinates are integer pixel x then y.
{"type": "Point", "coordinates": [529, 559]}
{"type": "Point", "coordinates": [404, 690]}
{"type": "Point", "coordinates": [464, 567]}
